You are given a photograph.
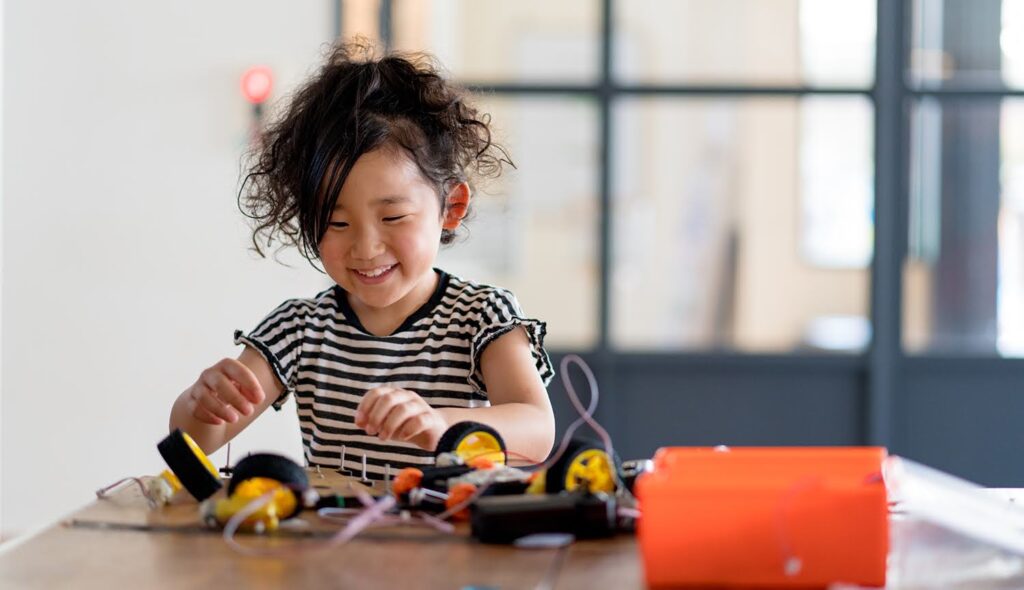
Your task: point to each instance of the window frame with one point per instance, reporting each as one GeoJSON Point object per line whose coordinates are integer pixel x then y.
{"type": "Point", "coordinates": [878, 397]}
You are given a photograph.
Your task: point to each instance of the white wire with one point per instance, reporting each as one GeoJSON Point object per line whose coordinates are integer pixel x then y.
{"type": "Point", "coordinates": [239, 517]}
{"type": "Point", "coordinates": [375, 511]}
{"type": "Point", "coordinates": [104, 493]}
{"type": "Point", "coordinates": [344, 515]}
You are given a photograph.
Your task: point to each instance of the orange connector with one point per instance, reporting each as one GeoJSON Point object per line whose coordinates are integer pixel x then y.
{"type": "Point", "coordinates": [406, 480]}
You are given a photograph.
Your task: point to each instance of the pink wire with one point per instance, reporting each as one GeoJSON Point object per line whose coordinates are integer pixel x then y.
{"type": "Point", "coordinates": [362, 520]}
{"type": "Point", "coordinates": [375, 511]}
{"type": "Point", "coordinates": [586, 416]}
{"type": "Point", "coordinates": [357, 524]}
{"type": "Point", "coordinates": [367, 500]}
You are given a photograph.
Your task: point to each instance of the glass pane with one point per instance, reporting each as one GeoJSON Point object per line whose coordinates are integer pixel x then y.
{"type": "Point", "coordinates": [964, 274]}
{"type": "Point", "coordinates": [720, 208]}
{"type": "Point", "coordinates": [967, 43]}
{"type": "Point", "coordinates": [836, 176]}
{"type": "Point", "coordinates": [533, 230]}
{"type": "Point", "coordinates": [502, 41]}
{"type": "Point", "coordinates": [783, 42]}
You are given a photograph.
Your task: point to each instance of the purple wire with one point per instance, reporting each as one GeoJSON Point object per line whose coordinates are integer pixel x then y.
{"type": "Point", "coordinates": [586, 416]}
{"type": "Point", "coordinates": [375, 511]}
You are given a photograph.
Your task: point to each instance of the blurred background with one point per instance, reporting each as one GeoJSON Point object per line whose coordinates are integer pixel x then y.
{"type": "Point", "coordinates": [763, 222]}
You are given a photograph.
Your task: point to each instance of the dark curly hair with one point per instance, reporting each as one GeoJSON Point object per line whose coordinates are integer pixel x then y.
{"type": "Point", "coordinates": [357, 103]}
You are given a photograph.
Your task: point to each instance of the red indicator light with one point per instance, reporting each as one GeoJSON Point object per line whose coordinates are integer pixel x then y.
{"type": "Point", "coordinates": [257, 82]}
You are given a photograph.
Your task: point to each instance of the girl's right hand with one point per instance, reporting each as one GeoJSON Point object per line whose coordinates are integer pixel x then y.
{"type": "Point", "coordinates": [224, 392]}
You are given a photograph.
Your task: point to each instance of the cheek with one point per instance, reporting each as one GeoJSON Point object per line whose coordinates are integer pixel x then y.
{"type": "Point", "coordinates": [423, 242]}
{"type": "Point", "coordinates": [326, 246]}
{"type": "Point", "coordinates": [332, 248]}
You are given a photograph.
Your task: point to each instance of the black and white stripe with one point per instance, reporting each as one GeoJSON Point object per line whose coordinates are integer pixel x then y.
{"type": "Point", "coordinates": [325, 358]}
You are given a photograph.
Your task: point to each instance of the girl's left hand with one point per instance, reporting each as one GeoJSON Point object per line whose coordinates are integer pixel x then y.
{"type": "Point", "coordinates": [392, 413]}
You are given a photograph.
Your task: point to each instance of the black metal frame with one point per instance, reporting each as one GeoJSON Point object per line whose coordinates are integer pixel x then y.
{"type": "Point", "coordinates": [880, 397]}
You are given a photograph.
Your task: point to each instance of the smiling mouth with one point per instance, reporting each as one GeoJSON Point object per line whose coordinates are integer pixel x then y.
{"type": "Point", "coordinates": [374, 273]}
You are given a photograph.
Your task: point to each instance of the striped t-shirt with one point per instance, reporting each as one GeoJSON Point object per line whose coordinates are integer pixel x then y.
{"type": "Point", "coordinates": [324, 357]}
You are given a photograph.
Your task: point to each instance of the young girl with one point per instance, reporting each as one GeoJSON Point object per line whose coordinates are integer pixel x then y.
{"type": "Point", "coordinates": [367, 174]}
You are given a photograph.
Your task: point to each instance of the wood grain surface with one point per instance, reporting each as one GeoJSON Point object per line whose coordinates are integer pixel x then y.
{"type": "Point", "coordinates": [118, 543]}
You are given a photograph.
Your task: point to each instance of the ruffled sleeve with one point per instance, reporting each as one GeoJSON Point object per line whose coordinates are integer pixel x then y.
{"type": "Point", "coordinates": [501, 314]}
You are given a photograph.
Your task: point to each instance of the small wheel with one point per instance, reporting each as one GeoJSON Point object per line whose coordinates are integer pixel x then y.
{"type": "Point", "coordinates": [582, 461]}
{"type": "Point", "coordinates": [275, 467]}
{"type": "Point", "coordinates": [470, 440]}
{"type": "Point", "coordinates": [189, 464]}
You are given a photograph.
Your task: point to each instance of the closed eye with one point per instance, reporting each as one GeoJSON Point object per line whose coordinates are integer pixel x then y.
{"type": "Point", "coordinates": [338, 224]}
{"type": "Point", "coordinates": [395, 218]}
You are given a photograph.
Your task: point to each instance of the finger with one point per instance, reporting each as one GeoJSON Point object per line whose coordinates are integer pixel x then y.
{"type": "Point", "coordinates": [196, 410]}
{"type": "Point", "coordinates": [216, 407]}
{"type": "Point", "coordinates": [413, 427]}
{"type": "Point", "coordinates": [370, 399]}
{"type": "Point", "coordinates": [385, 403]}
{"type": "Point", "coordinates": [247, 382]}
{"type": "Point", "coordinates": [228, 392]}
{"type": "Point", "coordinates": [396, 419]}
{"type": "Point", "coordinates": [203, 415]}
{"type": "Point", "coordinates": [426, 439]}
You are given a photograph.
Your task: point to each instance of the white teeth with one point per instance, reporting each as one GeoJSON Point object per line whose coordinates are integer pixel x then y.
{"type": "Point", "coordinates": [375, 272]}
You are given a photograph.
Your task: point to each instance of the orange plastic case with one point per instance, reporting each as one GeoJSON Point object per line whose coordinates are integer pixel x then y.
{"type": "Point", "coordinates": [781, 517]}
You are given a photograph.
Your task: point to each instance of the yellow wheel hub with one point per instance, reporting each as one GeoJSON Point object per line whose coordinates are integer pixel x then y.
{"type": "Point", "coordinates": [268, 515]}
{"type": "Point", "coordinates": [200, 454]}
{"type": "Point", "coordinates": [173, 480]}
{"type": "Point", "coordinates": [480, 444]}
{"type": "Point", "coordinates": [593, 468]}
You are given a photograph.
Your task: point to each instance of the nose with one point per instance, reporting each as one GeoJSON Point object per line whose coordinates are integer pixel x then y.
{"type": "Point", "coordinates": [367, 244]}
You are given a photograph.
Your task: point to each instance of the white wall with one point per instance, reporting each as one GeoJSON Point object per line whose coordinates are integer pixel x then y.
{"type": "Point", "coordinates": [2, 39]}
{"type": "Point", "coordinates": [124, 258]}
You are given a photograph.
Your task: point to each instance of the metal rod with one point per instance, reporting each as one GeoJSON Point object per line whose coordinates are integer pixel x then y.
{"type": "Point", "coordinates": [341, 462]}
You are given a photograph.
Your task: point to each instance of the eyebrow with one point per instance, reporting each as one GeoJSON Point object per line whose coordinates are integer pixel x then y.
{"type": "Point", "coordinates": [385, 200]}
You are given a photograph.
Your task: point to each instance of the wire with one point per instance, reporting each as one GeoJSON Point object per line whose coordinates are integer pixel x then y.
{"type": "Point", "coordinates": [791, 562]}
{"type": "Point", "coordinates": [236, 521]}
{"type": "Point", "coordinates": [375, 512]}
{"type": "Point", "coordinates": [362, 520]}
{"type": "Point", "coordinates": [488, 480]}
{"type": "Point", "coordinates": [104, 493]}
{"type": "Point", "coordinates": [514, 455]}
{"type": "Point", "coordinates": [629, 513]}
{"type": "Point", "coordinates": [414, 519]}
{"type": "Point", "coordinates": [585, 417]}
{"type": "Point", "coordinates": [555, 568]}
{"type": "Point", "coordinates": [239, 517]}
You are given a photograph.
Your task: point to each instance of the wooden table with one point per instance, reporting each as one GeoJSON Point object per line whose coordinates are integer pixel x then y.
{"type": "Point", "coordinates": [119, 543]}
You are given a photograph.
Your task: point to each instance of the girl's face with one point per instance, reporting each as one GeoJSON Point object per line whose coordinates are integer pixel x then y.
{"type": "Point", "coordinates": [384, 234]}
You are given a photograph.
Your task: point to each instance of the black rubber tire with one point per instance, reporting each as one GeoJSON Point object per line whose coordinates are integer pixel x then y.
{"type": "Point", "coordinates": [275, 467]}
{"type": "Point", "coordinates": [189, 470]}
{"type": "Point", "coordinates": [554, 478]}
{"type": "Point", "coordinates": [453, 436]}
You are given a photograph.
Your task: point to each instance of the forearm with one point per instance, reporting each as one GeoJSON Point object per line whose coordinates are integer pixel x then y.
{"type": "Point", "coordinates": [209, 437]}
{"type": "Point", "coordinates": [225, 399]}
{"type": "Point", "coordinates": [528, 430]}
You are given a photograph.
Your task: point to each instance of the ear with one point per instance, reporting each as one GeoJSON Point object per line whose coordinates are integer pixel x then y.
{"type": "Point", "coordinates": [456, 206]}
